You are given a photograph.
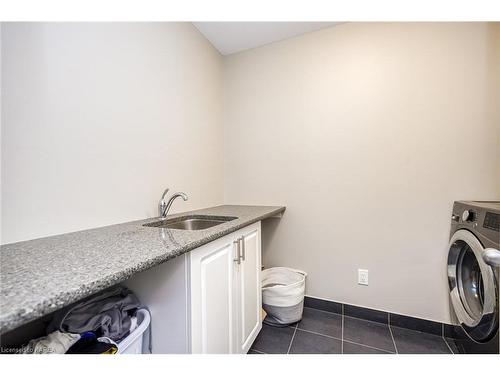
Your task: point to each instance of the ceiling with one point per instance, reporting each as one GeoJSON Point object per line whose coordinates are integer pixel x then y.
{"type": "Point", "coordinates": [232, 37]}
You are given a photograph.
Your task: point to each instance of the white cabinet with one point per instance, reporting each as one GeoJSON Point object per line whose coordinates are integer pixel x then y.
{"type": "Point", "coordinates": [212, 298]}
{"type": "Point", "coordinates": [225, 293]}
{"type": "Point", "coordinates": [207, 300]}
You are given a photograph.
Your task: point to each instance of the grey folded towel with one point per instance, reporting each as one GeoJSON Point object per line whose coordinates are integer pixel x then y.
{"type": "Point", "coordinates": [109, 312]}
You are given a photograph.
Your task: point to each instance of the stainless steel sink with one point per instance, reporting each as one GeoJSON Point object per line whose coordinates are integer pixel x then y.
{"type": "Point", "coordinates": [193, 222]}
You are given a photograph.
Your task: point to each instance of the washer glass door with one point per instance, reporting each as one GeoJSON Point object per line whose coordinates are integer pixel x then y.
{"type": "Point", "coordinates": [472, 287]}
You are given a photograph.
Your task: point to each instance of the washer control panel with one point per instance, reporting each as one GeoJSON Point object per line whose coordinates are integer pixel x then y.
{"type": "Point", "coordinates": [492, 221]}
{"type": "Point", "coordinates": [481, 218]}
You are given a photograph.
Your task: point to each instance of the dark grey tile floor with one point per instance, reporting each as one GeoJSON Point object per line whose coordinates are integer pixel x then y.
{"type": "Point", "coordinates": [322, 332]}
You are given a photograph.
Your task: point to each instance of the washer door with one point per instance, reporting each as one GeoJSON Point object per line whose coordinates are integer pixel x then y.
{"type": "Point", "coordinates": [472, 287]}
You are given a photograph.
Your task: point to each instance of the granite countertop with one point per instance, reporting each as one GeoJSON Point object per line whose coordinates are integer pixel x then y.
{"type": "Point", "coordinates": [40, 276]}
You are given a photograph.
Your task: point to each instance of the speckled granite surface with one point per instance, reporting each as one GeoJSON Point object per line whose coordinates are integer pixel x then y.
{"type": "Point", "coordinates": [40, 276]}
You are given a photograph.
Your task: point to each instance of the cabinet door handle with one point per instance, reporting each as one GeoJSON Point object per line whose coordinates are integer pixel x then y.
{"type": "Point", "coordinates": [238, 257]}
{"type": "Point", "coordinates": [242, 248]}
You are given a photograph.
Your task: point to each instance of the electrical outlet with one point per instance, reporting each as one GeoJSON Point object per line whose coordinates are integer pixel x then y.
{"type": "Point", "coordinates": [362, 277]}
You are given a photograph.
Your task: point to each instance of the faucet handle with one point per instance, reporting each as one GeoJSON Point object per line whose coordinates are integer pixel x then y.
{"type": "Point", "coordinates": [164, 193]}
{"type": "Point", "coordinates": [162, 205]}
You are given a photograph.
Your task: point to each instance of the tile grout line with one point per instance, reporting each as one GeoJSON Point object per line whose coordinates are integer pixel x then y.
{"type": "Point", "coordinates": [417, 331]}
{"type": "Point", "coordinates": [319, 334]}
{"type": "Point", "coordinates": [342, 339]}
{"type": "Point", "coordinates": [352, 342]}
{"type": "Point", "coordinates": [368, 346]}
{"type": "Point", "coordinates": [448, 345]}
{"type": "Point", "coordinates": [350, 316]}
{"type": "Point", "coordinates": [349, 341]}
{"type": "Point", "coordinates": [376, 321]}
{"type": "Point", "coordinates": [293, 336]}
{"type": "Point", "coordinates": [444, 339]}
{"type": "Point", "coordinates": [365, 320]}
{"type": "Point", "coordinates": [342, 347]}
{"type": "Point", "coordinates": [390, 330]}
{"type": "Point", "coordinates": [325, 311]}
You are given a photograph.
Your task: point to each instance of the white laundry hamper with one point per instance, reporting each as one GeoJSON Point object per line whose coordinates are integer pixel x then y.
{"type": "Point", "coordinates": [283, 292]}
{"type": "Point", "coordinates": [133, 343]}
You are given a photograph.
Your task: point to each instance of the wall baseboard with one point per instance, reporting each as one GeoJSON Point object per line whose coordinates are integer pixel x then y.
{"type": "Point", "coordinates": [396, 320]}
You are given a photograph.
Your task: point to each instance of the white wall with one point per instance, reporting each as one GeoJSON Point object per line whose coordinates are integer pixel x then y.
{"type": "Point", "coordinates": [367, 133]}
{"type": "Point", "coordinates": [98, 118]}
{"type": "Point", "coordinates": [494, 92]}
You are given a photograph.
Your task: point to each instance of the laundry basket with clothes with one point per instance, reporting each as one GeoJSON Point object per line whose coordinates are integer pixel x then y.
{"type": "Point", "coordinates": [109, 314]}
{"type": "Point", "coordinates": [96, 325]}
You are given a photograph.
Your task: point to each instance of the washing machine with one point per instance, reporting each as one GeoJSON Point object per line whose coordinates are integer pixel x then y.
{"type": "Point", "coordinates": [473, 275]}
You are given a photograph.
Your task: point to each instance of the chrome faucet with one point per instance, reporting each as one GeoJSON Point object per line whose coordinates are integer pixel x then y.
{"type": "Point", "coordinates": [163, 207]}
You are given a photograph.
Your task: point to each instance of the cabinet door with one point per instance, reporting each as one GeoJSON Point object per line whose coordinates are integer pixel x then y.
{"type": "Point", "coordinates": [249, 293]}
{"type": "Point", "coordinates": [212, 298]}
